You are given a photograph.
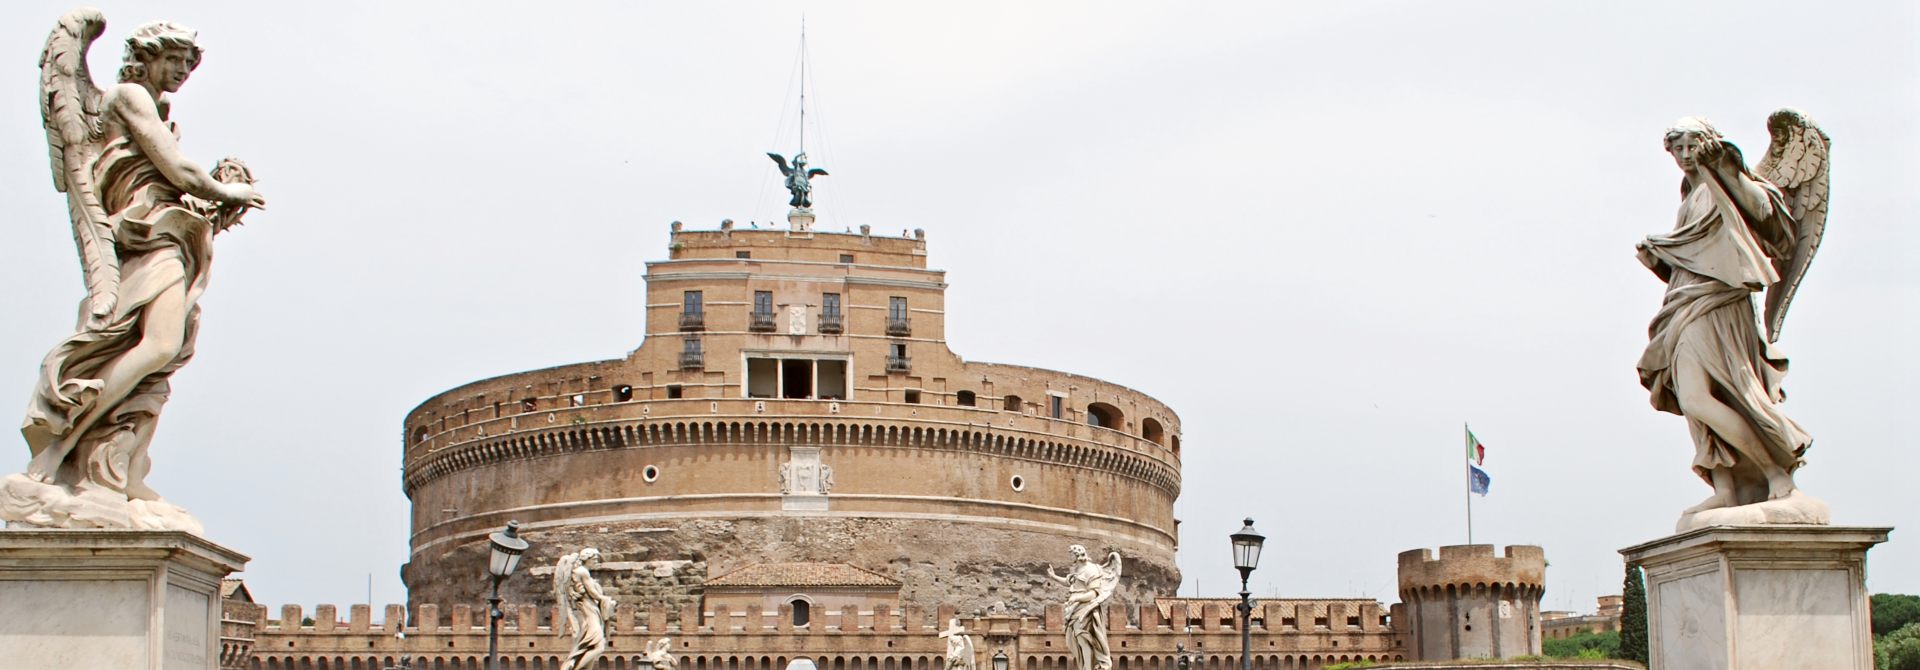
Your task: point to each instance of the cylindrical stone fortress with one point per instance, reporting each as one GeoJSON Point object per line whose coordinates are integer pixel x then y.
{"type": "Point", "coordinates": [794, 400]}
{"type": "Point", "coordinates": [1470, 603]}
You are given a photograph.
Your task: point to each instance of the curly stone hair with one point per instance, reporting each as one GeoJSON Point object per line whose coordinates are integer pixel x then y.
{"type": "Point", "coordinates": [149, 40]}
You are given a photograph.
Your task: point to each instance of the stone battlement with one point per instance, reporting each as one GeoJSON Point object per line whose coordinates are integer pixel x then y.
{"type": "Point", "coordinates": [1472, 565]}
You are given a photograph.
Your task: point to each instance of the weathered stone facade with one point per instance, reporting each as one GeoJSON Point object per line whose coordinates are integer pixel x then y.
{"type": "Point", "coordinates": [794, 400]}
{"type": "Point", "coordinates": [1469, 603]}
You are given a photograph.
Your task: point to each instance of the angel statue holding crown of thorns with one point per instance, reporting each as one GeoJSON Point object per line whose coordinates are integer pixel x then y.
{"type": "Point", "coordinates": [144, 218]}
{"type": "Point", "coordinates": [1711, 357]}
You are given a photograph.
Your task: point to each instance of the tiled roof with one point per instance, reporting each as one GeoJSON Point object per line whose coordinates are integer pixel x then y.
{"type": "Point", "coordinates": [234, 589]}
{"type": "Point", "coordinates": [802, 574]}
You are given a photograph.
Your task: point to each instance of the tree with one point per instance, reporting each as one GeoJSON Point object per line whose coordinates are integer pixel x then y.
{"type": "Point", "coordinates": [1898, 650]}
{"type": "Point", "coordinates": [1633, 616]}
{"type": "Point", "coordinates": [1586, 644]}
{"type": "Point", "coordinates": [1892, 611]}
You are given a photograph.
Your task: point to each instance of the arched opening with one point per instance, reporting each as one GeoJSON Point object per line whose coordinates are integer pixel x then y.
{"type": "Point", "coordinates": [1013, 403]}
{"type": "Point", "coordinates": [419, 434]}
{"type": "Point", "coordinates": [1175, 443]}
{"type": "Point", "coordinates": [964, 398]}
{"type": "Point", "coordinates": [1151, 431]}
{"type": "Point", "coordinates": [1104, 415]}
{"type": "Point", "coordinates": [802, 612]}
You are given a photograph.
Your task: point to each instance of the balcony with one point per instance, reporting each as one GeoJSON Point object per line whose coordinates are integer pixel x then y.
{"type": "Point", "coordinates": [899, 363]}
{"type": "Point", "coordinates": [693, 320]}
{"type": "Point", "coordinates": [760, 322]}
{"type": "Point", "coordinates": [832, 324]}
{"type": "Point", "coordinates": [692, 360]}
{"type": "Point", "coordinates": [899, 326]}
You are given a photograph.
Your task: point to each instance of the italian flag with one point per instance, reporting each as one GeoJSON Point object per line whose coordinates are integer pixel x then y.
{"type": "Point", "coordinates": [1476, 452]}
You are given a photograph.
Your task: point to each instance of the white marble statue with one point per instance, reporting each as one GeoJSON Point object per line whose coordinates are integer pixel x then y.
{"type": "Point", "coordinates": [589, 611]}
{"type": "Point", "coordinates": [959, 646]}
{"type": "Point", "coordinates": [657, 653]}
{"type": "Point", "coordinates": [1711, 357]}
{"type": "Point", "coordinates": [1089, 586]}
{"type": "Point", "coordinates": [143, 218]}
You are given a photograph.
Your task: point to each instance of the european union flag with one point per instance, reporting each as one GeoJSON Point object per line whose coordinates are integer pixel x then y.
{"type": "Point", "coordinates": [1480, 480]}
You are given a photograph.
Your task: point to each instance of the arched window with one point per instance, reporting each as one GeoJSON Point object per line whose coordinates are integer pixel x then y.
{"type": "Point", "coordinates": [1151, 431]}
{"type": "Point", "coordinates": [802, 612]}
{"type": "Point", "coordinates": [964, 398]}
{"type": "Point", "coordinates": [1104, 415]}
{"type": "Point", "coordinates": [1013, 403]}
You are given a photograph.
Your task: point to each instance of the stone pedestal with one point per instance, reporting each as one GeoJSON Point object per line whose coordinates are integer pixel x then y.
{"type": "Point", "coordinates": [800, 220]}
{"type": "Point", "coordinates": [139, 600]}
{"type": "Point", "coordinates": [1758, 597]}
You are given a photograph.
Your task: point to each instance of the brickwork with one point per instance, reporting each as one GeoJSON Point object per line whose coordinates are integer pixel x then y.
{"type": "Point", "coordinates": [1469, 603]}
{"type": "Point", "coordinates": [662, 459]}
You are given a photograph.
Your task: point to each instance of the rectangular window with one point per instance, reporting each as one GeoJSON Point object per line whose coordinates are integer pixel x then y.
{"type": "Point", "coordinates": [763, 302]}
{"type": "Point", "coordinates": [832, 380]}
{"type": "Point", "coordinates": [1056, 406]}
{"type": "Point", "coordinates": [897, 308]}
{"type": "Point", "coordinates": [846, 258]}
{"type": "Point", "coordinates": [690, 345]}
{"type": "Point", "coordinates": [913, 396]}
{"type": "Point", "coordinates": [830, 304]}
{"type": "Point", "coordinates": [743, 254]}
{"type": "Point", "coordinates": [763, 377]}
{"type": "Point", "coordinates": [674, 391]}
{"type": "Point", "coordinates": [691, 303]}
{"type": "Point", "coordinates": [899, 350]}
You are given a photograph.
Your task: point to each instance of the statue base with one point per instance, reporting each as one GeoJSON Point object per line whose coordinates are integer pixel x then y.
{"type": "Point", "coordinates": [1796, 508]}
{"type": "Point", "coordinates": [29, 503]}
{"type": "Point", "coordinates": [140, 600]}
{"type": "Point", "coordinates": [1758, 597]}
{"type": "Point", "coordinates": [800, 220]}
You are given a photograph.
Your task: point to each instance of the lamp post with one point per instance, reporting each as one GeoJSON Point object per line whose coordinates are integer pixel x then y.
{"type": "Point", "coordinates": [1000, 659]}
{"type": "Point", "coordinates": [1246, 557]}
{"type": "Point", "coordinates": [507, 548]}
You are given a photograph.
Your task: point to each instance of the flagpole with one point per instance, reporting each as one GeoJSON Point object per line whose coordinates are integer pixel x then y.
{"type": "Point", "coordinates": [1469, 492]}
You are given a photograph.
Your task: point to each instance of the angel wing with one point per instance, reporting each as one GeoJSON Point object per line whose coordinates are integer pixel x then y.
{"type": "Point", "coordinates": [816, 172]}
{"type": "Point", "coordinates": [562, 578]}
{"type": "Point", "coordinates": [1796, 161]}
{"type": "Point", "coordinates": [70, 108]}
{"type": "Point", "coordinates": [1109, 578]}
{"type": "Point", "coordinates": [782, 160]}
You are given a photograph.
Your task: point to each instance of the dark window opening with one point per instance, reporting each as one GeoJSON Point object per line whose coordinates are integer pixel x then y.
{"type": "Point", "coordinates": [622, 393]}
{"type": "Point", "coordinates": [743, 254]}
{"type": "Point", "coordinates": [1353, 622]}
{"type": "Point", "coordinates": [1151, 431]}
{"type": "Point", "coordinates": [1056, 406]}
{"type": "Point", "coordinates": [1104, 415]}
{"type": "Point", "coordinates": [801, 612]}
{"type": "Point", "coordinates": [913, 396]}
{"type": "Point", "coordinates": [964, 398]}
{"type": "Point", "coordinates": [1286, 621]}
{"type": "Point", "coordinates": [692, 303]}
{"type": "Point", "coordinates": [419, 433]}
{"type": "Point", "coordinates": [674, 391]}
{"type": "Point", "coordinates": [529, 404]}
{"type": "Point", "coordinates": [830, 303]}
{"type": "Point", "coordinates": [763, 302]}
{"type": "Point", "coordinates": [1320, 622]}
{"type": "Point", "coordinates": [577, 400]}
{"type": "Point", "coordinates": [1013, 404]}
{"type": "Point", "coordinates": [796, 377]}
{"type": "Point", "coordinates": [846, 258]}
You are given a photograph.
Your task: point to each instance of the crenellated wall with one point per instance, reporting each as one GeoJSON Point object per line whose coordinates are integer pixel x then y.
{"type": "Point", "coordinates": [1470, 603]}
{"type": "Point", "coordinates": [1141, 638]}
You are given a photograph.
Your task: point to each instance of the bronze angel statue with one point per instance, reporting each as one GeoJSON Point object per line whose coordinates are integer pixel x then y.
{"type": "Point", "coordinates": [799, 178]}
{"type": "Point", "coordinates": [1711, 355]}
{"type": "Point", "coordinates": [143, 218]}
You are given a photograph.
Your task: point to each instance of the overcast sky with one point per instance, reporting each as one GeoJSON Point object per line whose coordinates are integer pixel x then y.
{"type": "Point", "coordinates": [1326, 234]}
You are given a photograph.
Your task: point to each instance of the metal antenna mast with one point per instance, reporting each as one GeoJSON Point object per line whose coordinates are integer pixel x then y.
{"type": "Point", "coordinates": [803, 83]}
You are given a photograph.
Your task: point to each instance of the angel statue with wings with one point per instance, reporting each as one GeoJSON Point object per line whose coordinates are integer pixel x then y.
{"type": "Point", "coordinates": [143, 217]}
{"type": "Point", "coordinates": [660, 654]}
{"type": "Point", "coordinates": [589, 611]}
{"type": "Point", "coordinates": [1089, 587]}
{"type": "Point", "coordinates": [799, 178]}
{"type": "Point", "coordinates": [1711, 357]}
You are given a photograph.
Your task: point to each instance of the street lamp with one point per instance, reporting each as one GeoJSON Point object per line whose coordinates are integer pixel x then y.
{"type": "Point", "coordinates": [507, 548]}
{"type": "Point", "coordinates": [1000, 659]}
{"type": "Point", "coordinates": [1246, 557]}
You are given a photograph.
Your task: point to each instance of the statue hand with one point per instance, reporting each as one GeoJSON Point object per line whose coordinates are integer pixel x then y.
{"type": "Point", "coordinates": [241, 194]}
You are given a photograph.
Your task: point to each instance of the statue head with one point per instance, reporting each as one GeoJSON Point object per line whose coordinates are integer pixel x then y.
{"type": "Point", "coordinates": [1079, 552]}
{"type": "Point", "coordinates": [799, 159]}
{"type": "Point", "coordinates": [590, 557]}
{"type": "Point", "coordinates": [1692, 140]}
{"type": "Point", "coordinates": [161, 53]}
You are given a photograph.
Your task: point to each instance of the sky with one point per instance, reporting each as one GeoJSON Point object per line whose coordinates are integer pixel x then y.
{"type": "Point", "coordinates": [1327, 234]}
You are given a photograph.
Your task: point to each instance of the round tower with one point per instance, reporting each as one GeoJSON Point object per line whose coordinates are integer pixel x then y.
{"type": "Point", "coordinates": [1470, 603]}
{"type": "Point", "coordinates": [794, 401]}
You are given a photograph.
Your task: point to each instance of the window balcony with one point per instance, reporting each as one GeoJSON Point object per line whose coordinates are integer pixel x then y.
{"type": "Point", "coordinates": [760, 322]}
{"type": "Point", "coordinates": [899, 363]}
{"type": "Point", "coordinates": [899, 326]}
{"type": "Point", "coordinates": [692, 360]}
{"type": "Point", "coordinates": [832, 324]}
{"type": "Point", "coordinates": [693, 320]}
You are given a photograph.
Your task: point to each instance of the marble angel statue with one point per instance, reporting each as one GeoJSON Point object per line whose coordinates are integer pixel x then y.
{"type": "Point", "coordinates": [589, 611]}
{"type": "Point", "coordinates": [960, 655]}
{"type": "Point", "coordinates": [1711, 355]}
{"type": "Point", "coordinates": [143, 218]}
{"type": "Point", "coordinates": [1089, 587]}
{"type": "Point", "coordinates": [660, 654]}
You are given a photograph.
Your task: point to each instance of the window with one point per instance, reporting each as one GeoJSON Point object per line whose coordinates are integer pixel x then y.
{"type": "Point", "coordinates": [692, 303]}
{"type": "Point", "coordinates": [1056, 406]}
{"type": "Point", "coordinates": [674, 391]}
{"type": "Point", "coordinates": [1104, 415]}
{"type": "Point", "coordinates": [801, 612]}
{"type": "Point", "coordinates": [897, 360]}
{"type": "Point", "coordinates": [529, 404]}
{"type": "Point", "coordinates": [743, 254]}
{"type": "Point", "coordinates": [622, 393]}
{"type": "Point", "coordinates": [1013, 403]}
{"type": "Point", "coordinates": [691, 355]}
{"type": "Point", "coordinates": [577, 400]}
{"type": "Point", "coordinates": [964, 398]}
{"type": "Point", "coordinates": [763, 302]}
{"type": "Point", "coordinates": [846, 258]}
{"type": "Point", "coordinates": [897, 308]}
{"type": "Point", "coordinates": [913, 396]}
{"type": "Point", "coordinates": [830, 304]}
{"type": "Point", "coordinates": [761, 321]}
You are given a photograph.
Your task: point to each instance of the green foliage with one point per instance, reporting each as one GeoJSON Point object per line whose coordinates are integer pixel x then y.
{"type": "Point", "coordinates": [1892, 611]}
{"type": "Point", "coordinates": [1353, 665]}
{"type": "Point", "coordinates": [1633, 616]}
{"type": "Point", "coordinates": [1585, 645]}
{"type": "Point", "coordinates": [1898, 650]}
